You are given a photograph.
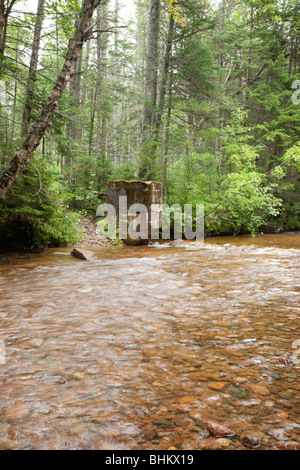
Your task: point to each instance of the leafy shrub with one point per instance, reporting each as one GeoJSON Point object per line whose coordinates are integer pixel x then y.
{"type": "Point", "coordinates": [32, 216]}
{"type": "Point", "coordinates": [83, 200]}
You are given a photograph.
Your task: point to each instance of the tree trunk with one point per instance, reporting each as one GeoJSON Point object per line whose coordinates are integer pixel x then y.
{"type": "Point", "coordinates": [139, 80]}
{"type": "Point", "coordinates": [167, 139]}
{"type": "Point", "coordinates": [74, 133]}
{"type": "Point", "coordinates": [92, 121]}
{"type": "Point", "coordinates": [152, 65]}
{"type": "Point", "coordinates": [116, 73]}
{"type": "Point", "coordinates": [222, 19]}
{"type": "Point", "coordinates": [164, 81]}
{"type": "Point", "coordinates": [12, 135]}
{"type": "Point", "coordinates": [146, 166]}
{"type": "Point", "coordinates": [73, 128]}
{"type": "Point", "coordinates": [99, 100]}
{"type": "Point", "coordinates": [25, 154]}
{"type": "Point", "coordinates": [138, 37]}
{"type": "Point", "coordinates": [101, 84]}
{"type": "Point", "coordinates": [33, 68]}
{"type": "Point", "coordinates": [248, 72]}
{"type": "Point", "coordinates": [4, 14]}
{"type": "Point", "coordinates": [104, 88]}
{"type": "Point", "coordinates": [85, 77]}
{"type": "Point", "coordinates": [2, 32]}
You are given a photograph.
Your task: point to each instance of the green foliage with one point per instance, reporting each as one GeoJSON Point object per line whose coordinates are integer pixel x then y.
{"type": "Point", "coordinates": [65, 12]}
{"type": "Point", "coordinates": [248, 203]}
{"type": "Point", "coordinates": [236, 196]}
{"type": "Point", "coordinates": [229, 131]}
{"type": "Point", "coordinates": [126, 171]}
{"type": "Point", "coordinates": [82, 199]}
{"type": "Point", "coordinates": [292, 157]}
{"type": "Point", "coordinates": [32, 215]}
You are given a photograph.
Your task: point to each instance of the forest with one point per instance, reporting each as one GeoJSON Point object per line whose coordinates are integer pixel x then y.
{"type": "Point", "coordinates": [203, 96]}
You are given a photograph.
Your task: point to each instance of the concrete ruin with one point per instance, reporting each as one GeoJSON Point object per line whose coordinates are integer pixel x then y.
{"type": "Point", "coordinates": [146, 193]}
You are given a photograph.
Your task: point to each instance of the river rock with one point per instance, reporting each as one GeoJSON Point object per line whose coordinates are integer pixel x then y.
{"type": "Point", "coordinates": [224, 442]}
{"type": "Point", "coordinates": [252, 439]}
{"type": "Point", "coordinates": [279, 434]}
{"type": "Point", "coordinates": [83, 254]}
{"type": "Point", "coordinates": [218, 430]}
{"type": "Point", "coordinates": [18, 411]}
{"type": "Point", "coordinates": [289, 445]}
{"type": "Point", "coordinates": [213, 444]}
{"type": "Point", "coordinates": [35, 343]}
{"type": "Point", "coordinates": [217, 385]}
{"type": "Point", "coordinates": [238, 392]}
{"type": "Point", "coordinates": [259, 390]}
{"type": "Point", "coordinates": [272, 374]}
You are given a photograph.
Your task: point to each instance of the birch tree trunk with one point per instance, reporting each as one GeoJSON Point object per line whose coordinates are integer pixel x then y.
{"type": "Point", "coordinates": [24, 155]}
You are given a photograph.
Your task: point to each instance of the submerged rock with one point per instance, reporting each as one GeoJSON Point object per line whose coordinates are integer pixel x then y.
{"type": "Point", "coordinates": [17, 411]}
{"type": "Point", "coordinates": [259, 390]}
{"type": "Point", "coordinates": [289, 445]}
{"type": "Point", "coordinates": [218, 430]}
{"type": "Point", "coordinates": [239, 392]}
{"type": "Point", "coordinates": [279, 434]}
{"type": "Point", "coordinates": [214, 444]}
{"type": "Point", "coordinates": [252, 439]}
{"type": "Point", "coordinates": [83, 254]}
{"type": "Point", "coordinates": [217, 385]}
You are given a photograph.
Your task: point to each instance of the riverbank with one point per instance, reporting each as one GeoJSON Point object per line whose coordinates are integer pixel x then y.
{"type": "Point", "coordinates": [87, 225]}
{"type": "Point", "coordinates": [90, 240]}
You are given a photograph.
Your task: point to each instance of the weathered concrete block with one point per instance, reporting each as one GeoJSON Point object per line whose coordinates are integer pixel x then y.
{"type": "Point", "coordinates": [146, 193]}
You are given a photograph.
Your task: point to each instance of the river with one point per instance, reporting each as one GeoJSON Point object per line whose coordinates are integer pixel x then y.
{"type": "Point", "coordinates": [142, 347]}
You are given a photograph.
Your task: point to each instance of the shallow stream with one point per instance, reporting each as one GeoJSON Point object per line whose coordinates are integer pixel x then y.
{"type": "Point", "coordinates": [141, 347]}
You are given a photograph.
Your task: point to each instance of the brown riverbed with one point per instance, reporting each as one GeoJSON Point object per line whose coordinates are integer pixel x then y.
{"type": "Point", "coordinates": [143, 346]}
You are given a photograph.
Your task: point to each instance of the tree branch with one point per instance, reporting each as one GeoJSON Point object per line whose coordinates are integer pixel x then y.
{"type": "Point", "coordinates": [9, 8]}
{"type": "Point", "coordinates": [24, 155]}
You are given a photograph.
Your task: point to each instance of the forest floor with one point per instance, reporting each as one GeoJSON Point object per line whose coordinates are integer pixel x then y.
{"type": "Point", "coordinates": [90, 239]}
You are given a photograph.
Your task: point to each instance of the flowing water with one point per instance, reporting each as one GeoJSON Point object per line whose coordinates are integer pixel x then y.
{"type": "Point", "coordinates": [141, 347]}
